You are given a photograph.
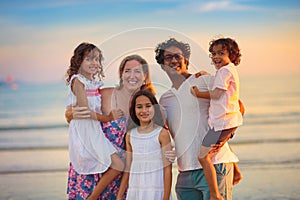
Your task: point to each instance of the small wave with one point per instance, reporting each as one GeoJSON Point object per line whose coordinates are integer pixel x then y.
{"type": "Point", "coordinates": [232, 142]}
{"type": "Point", "coordinates": [279, 163]}
{"type": "Point", "coordinates": [253, 164]}
{"type": "Point", "coordinates": [266, 141]}
{"type": "Point", "coordinates": [270, 121]}
{"type": "Point", "coordinates": [273, 115]}
{"type": "Point", "coordinates": [33, 148]}
{"type": "Point", "coordinates": [264, 119]}
{"type": "Point", "coordinates": [33, 171]}
{"type": "Point", "coordinates": [32, 127]}
{"type": "Point", "coordinates": [250, 119]}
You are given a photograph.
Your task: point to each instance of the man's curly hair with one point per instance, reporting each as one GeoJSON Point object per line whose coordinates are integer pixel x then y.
{"type": "Point", "coordinates": [160, 49]}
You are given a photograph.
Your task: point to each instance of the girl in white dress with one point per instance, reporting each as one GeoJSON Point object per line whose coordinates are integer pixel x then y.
{"type": "Point", "coordinates": [90, 151]}
{"type": "Point", "coordinates": [148, 174]}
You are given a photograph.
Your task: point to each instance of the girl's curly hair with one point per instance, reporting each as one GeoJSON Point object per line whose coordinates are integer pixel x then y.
{"type": "Point", "coordinates": [80, 52]}
{"type": "Point", "coordinates": [231, 46]}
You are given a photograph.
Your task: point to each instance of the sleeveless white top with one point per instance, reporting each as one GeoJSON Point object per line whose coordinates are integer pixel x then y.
{"type": "Point", "coordinates": [89, 149]}
{"type": "Point", "coordinates": [146, 180]}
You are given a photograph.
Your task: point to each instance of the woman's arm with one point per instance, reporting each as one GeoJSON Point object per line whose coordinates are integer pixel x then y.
{"type": "Point", "coordinates": [125, 176]}
{"type": "Point", "coordinates": [69, 114]}
{"type": "Point", "coordinates": [86, 113]}
{"type": "Point", "coordinates": [77, 113]}
{"type": "Point", "coordinates": [165, 141]}
{"type": "Point", "coordinates": [83, 112]}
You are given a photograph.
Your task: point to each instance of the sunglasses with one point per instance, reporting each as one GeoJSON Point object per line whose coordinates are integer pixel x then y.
{"type": "Point", "coordinates": [170, 57]}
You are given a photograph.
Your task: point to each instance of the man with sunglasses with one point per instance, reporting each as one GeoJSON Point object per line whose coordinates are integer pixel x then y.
{"type": "Point", "coordinates": [187, 118]}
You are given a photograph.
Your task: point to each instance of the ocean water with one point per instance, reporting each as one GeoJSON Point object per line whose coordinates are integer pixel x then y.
{"type": "Point", "coordinates": [34, 140]}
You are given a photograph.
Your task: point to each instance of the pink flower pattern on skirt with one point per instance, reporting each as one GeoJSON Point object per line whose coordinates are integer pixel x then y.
{"type": "Point", "coordinates": [80, 186]}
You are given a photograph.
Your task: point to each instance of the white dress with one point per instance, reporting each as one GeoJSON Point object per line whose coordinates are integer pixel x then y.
{"type": "Point", "coordinates": [90, 151]}
{"type": "Point", "coordinates": [146, 179]}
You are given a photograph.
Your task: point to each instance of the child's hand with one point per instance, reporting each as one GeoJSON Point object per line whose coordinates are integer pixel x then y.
{"type": "Point", "coordinates": [116, 114]}
{"type": "Point", "coordinates": [201, 73]}
{"type": "Point", "coordinates": [194, 90]}
{"type": "Point", "coordinates": [171, 155]}
{"type": "Point", "coordinates": [216, 147]}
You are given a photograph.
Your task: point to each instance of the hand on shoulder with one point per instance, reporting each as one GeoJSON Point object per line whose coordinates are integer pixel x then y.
{"type": "Point", "coordinates": [202, 72]}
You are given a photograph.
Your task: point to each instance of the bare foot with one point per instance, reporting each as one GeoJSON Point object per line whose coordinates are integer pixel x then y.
{"type": "Point", "coordinates": [216, 198]}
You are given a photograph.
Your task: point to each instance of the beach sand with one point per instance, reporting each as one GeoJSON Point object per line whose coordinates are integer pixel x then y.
{"type": "Point", "coordinates": [45, 176]}
{"type": "Point", "coordinates": [258, 184]}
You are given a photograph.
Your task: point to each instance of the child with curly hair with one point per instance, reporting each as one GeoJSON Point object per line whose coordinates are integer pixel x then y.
{"type": "Point", "coordinates": [224, 111]}
{"type": "Point", "coordinates": [90, 151]}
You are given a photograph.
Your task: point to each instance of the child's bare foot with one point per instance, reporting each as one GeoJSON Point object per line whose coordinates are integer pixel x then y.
{"type": "Point", "coordinates": [237, 177]}
{"type": "Point", "coordinates": [216, 198]}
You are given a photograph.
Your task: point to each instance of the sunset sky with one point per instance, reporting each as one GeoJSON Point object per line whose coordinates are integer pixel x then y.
{"type": "Point", "coordinates": [38, 37]}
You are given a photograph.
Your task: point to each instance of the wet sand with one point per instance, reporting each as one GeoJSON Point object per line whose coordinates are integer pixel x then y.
{"type": "Point", "coordinates": [45, 176]}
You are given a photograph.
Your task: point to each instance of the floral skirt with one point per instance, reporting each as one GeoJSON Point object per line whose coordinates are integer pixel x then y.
{"type": "Point", "coordinates": [80, 186]}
